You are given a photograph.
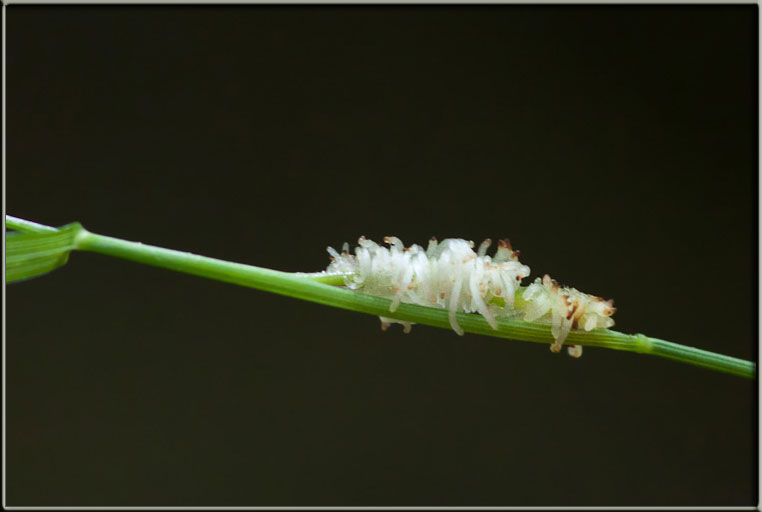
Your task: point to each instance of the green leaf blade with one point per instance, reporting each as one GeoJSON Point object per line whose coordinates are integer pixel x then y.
{"type": "Point", "coordinates": [29, 255]}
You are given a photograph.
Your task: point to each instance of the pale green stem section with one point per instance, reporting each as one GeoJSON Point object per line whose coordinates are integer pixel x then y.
{"type": "Point", "coordinates": [26, 225]}
{"type": "Point", "coordinates": [325, 289]}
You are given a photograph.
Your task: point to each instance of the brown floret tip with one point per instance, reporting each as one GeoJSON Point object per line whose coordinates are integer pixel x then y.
{"type": "Point", "coordinates": [573, 309]}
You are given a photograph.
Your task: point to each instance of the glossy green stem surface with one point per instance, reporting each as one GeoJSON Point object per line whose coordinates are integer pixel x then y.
{"type": "Point", "coordinates": [326, 289]}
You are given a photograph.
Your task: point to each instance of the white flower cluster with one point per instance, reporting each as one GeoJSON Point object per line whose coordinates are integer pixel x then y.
{"type": "Point", "coordinates": [565, 309]}
{"type": "Point", "coordinates": [450, 275]}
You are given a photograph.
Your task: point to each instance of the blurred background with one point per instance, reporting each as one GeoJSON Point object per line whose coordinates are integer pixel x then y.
{"type": "Point", "coordinates": [615, 146]}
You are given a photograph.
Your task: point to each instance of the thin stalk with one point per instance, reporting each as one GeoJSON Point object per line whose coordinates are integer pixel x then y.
{"type": "Point", "coordinates": [326, 289]}
{"type": "Point", "coordinates": [27, 226]}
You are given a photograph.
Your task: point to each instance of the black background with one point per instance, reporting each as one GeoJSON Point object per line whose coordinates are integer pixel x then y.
{"type": "Point", "coordinates": [616, 147]}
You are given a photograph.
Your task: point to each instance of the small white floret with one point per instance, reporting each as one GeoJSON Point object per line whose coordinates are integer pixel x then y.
{"type": "Point", "coordinates": [386, 322]}
{"type": "Point", "coordinates": [564, 309]}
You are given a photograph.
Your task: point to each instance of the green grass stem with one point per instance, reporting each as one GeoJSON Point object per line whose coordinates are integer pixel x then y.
{"type": "Point", "coordinates": [326, 289]}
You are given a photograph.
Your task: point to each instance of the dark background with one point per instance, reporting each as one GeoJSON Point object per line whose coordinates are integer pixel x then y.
{"type": "Point", "coordinates": [616, 147]}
